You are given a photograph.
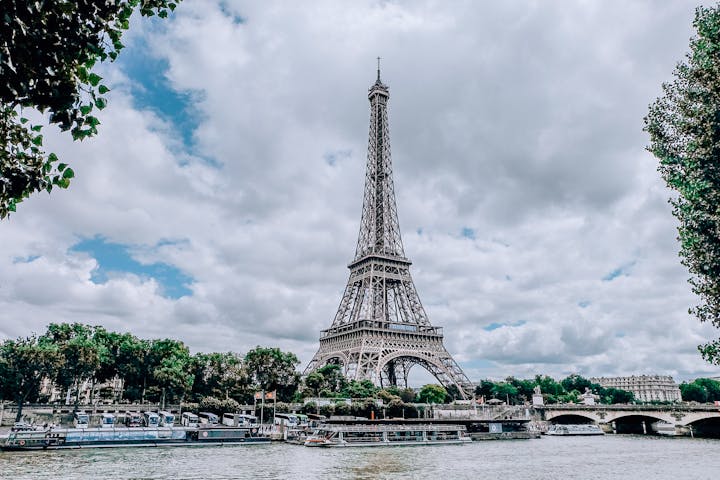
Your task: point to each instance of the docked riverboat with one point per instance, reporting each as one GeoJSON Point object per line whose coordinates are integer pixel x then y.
{"type": "Point", "coordinates": [574, 429]}
{"type": "Point", "coordinates": [334, 435]}
{"type": "Point", "coordinates": [66, 438]}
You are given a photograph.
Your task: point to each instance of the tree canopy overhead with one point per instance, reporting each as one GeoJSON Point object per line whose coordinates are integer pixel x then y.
{"type": "Point", "coordinates": [47, 54]}
{"type": "Point", "coordinates": [684, 128]}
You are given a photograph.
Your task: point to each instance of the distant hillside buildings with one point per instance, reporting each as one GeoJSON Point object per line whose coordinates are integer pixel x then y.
{"type": "Point", "coordinates": [646, 388]}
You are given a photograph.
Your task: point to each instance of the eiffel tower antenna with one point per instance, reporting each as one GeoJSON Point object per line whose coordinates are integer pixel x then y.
{"type": "Point", "coordinates": [381, 330]}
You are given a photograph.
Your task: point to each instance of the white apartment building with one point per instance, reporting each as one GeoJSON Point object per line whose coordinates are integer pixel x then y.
{"type": "Point", "coordinates": [646, 388]}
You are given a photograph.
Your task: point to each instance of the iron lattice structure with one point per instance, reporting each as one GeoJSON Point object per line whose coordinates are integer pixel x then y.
{"type": "Point", "coordinates": [381, 330]}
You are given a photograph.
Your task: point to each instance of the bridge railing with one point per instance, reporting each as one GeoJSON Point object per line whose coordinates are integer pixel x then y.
{"type": "Point", "coordinates": [677, 407]}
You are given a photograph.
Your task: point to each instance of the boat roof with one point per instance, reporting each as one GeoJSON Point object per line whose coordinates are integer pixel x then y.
{"type": "Point", "coordinates": [393, 428]}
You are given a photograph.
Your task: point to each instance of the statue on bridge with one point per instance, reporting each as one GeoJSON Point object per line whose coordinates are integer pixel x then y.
{"type": "Point", "coordinates": [537, 398]}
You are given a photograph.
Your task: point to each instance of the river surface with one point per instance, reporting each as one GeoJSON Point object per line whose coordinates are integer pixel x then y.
{"type": "Point", "coordinates": [583, 458]}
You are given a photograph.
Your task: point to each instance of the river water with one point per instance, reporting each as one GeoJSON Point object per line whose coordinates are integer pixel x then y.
{"type": "Point", "coordinates": [585, 458]}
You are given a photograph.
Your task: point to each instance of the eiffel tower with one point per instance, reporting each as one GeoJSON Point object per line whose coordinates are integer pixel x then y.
{"type": "Point", "coordinates": [381, 330]}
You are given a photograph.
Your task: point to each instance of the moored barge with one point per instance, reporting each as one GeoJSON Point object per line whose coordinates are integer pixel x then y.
{"type": "Point", "coordinates": [68, 438]}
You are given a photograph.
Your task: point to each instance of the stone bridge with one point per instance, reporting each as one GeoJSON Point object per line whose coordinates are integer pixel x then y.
{"type": "Point", "coordinates": [681, 416]}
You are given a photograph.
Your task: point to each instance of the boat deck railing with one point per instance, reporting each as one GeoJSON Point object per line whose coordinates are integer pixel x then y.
{"type": "Point", "coordinates": [393, 428]}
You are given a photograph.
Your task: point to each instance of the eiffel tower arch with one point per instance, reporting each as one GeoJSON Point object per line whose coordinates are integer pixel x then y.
{"type": "Point", "coordinates": [381, 330]}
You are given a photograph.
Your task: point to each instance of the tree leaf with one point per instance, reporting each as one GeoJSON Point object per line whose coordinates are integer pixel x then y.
{"type": "Point", "coordinates": [94, 79]}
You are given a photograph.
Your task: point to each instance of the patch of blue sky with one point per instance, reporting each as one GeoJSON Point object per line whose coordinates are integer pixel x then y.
{"type": "Point", "coordinates": [496, 325]}
{"type": "Point", "coordinates": [117, 258]}
{"type": "Point", "coordinates": [468, 232]}
{"type": "Point", "coordinates": [332, 158]}
{"type": "Point", "coordinates": [619, 334]}
{"type": "Point", "coordinates": [622, 270]}
{"type": "Point", "coordinates": [151, 90]}
{"type": "Point", "coordinates": [236, 19]}
{"type": "Point", "coordinates": [584, 303]}
{"type": "Point", "coordinates": [28, 259]}
{"type": "Point", "coordinates": [419, 231]}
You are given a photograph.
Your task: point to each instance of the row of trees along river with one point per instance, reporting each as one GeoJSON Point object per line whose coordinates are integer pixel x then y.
{"type": "Point", "coordinates": [85, 363]}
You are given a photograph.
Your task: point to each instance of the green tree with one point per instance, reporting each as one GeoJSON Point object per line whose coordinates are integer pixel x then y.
{"type": "Point", "coordinates": [575, 382]}
{"type": "Point", "coordinates": [271, 369]}
{"type": "Point", "coordinates": [334, 380]}
{"type": "Point", "coordinates": [572, 396]}
{"type": "Point", "coordinates": [484, 388]}
{"type": "Point", "coordinates": [453, 393]}
{"type": "Point", "coordinates": [80, 358]}
{"type": "Point", "coordinates": [505, 390]}
{"type": "Point", "coordinates": [222, 375]}
{"type": "Point", "coordinates": [711, 386]}
{"type": "Point", "coordinates": [693, 392]}
{"type": "Point", "coordinates": [315, 381]}
{"type": "Point", "coordinates": [134, 366]}
{"type": "Point", "coordinates": [108, 346]}
{"type": "Point", "coordinates": [432, 393]}
{"type": "Point", "coordinates": [616, 395]}
{"type": "Point", "coordinates": [47, 54]}
{"type": "Point", "coordinates": [396, 408]}
{"type": "Point", "coordinates": [172, 369]}
{"type": "Point", "coordinates": [386, 394]}
{"type": "Point", "coordinates": [549, 385]}
{"type": "Point", "coordinates": [407, 395]}
{"type": "Point", "coordinates": [524, 388]}
{"type": "Point", "coordinates": [684, 129]}
{"type": "Point", "coordinates": [24, 363]}
{"type": "Point", "coordinates": [359, 389]}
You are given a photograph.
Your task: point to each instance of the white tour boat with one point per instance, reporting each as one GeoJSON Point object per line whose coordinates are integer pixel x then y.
{"type": "Point", "coordinates": [385, 435]}
{"type": "Point", "coordinates": [575, 429]}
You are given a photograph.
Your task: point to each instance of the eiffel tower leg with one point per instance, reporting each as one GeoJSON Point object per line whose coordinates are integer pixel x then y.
{"type": "Point", "coordinates": [406, 366]}
{"type": "Point", "coordinates": [392, 378]}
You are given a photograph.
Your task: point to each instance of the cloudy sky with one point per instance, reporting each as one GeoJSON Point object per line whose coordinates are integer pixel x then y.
{"type": "Point", "coordinates": [221, 201]}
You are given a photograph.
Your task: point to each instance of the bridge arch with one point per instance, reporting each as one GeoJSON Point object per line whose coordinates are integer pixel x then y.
{"type": "Point", "coordinates": [570, 418]}
{"type": "Point", "coordinates": [625, 416]}
{"type": "Point", "coordinates": [708, 426]}
{"type": "Point", "coordinates": [638, 423]}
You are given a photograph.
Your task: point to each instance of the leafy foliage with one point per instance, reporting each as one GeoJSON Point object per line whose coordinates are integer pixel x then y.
{"type": "Point", "coordinates": [684, 128]}
{"type": "Point", "coordinates": [575, 382]}
{"type": "Point", "coordinates": [222, 375]}
{"type": "Point", "coordinates": [568, 390]}
{"type": "Point", "coordinates": [75, 355]}
{"type": "Point", "coordinates": [79, 354]}
{"type": "Point", "coordinates": [271, 369]}
{"type": "Point", "coordinates": [218, 406]}
{"type": "Point", "coordinates": [700, 390]}
{"type": "Point", "coordinates": [47, 54]}
{"type": "Point", "coordinates": [24, 363]}
{"type": "Point", "coordinates": [172, 373]}
{"type": "Point", "coordinates": [432, 394]}
{"type": "Point", "coordinates": [359, 389]}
